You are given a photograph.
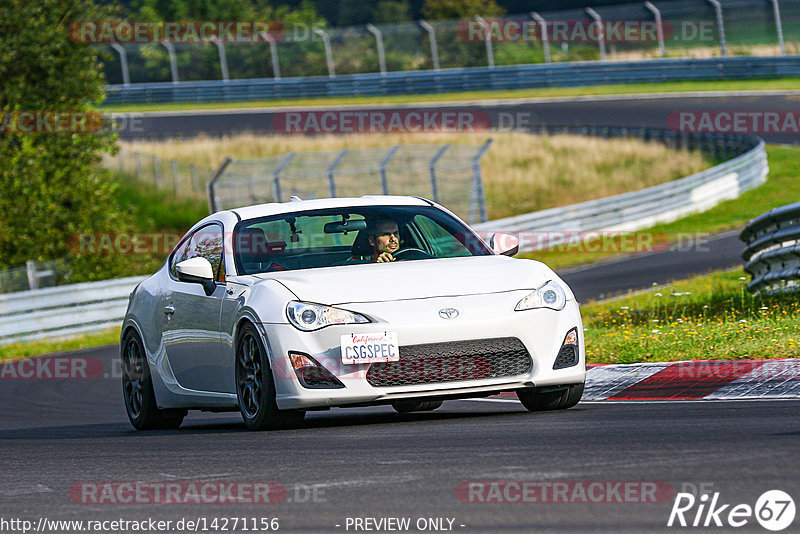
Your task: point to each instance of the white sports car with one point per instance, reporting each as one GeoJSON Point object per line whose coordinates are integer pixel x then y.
{"type": "Point", "coordinates": [277, 309]}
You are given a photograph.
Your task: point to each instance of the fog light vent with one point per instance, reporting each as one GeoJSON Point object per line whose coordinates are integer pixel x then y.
{"type": "Point", "coordinates": [568, 355]}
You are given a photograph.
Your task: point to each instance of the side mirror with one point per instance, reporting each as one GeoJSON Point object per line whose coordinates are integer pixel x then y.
{"type": "Point", "coordinates": [505, 244]}
{"type": "Point", "coordinates": [198, 271]}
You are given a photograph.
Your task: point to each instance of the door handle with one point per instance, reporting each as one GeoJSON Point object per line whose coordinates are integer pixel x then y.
{"type": "Point", "coordinates": [169, 310]}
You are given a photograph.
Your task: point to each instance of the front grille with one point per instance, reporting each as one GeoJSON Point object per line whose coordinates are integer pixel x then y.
{"type": "Point", "coordinates": [434, 363]}
{"type": "Point", "coordinates": [567, 357]}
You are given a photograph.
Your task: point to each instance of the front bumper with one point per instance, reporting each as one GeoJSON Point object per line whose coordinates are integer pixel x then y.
{"type": "Point", "coordinates": [417, 322]}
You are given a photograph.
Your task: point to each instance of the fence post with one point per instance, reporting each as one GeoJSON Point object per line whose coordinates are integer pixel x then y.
{"type": "Point", "coordinates": [778, 25]}
{"type": "Point", "coordinates": [601, 34]}
{"type": "Point", "coordinates": [138, 158]}
{"type": "Point", "coordinates": [379, 40]}
{"type": "Point", "coordinates": [33, 278]}
{"type": "Point", "coordinates": [173, 62]}
{"type": "Point", "coordinates": [212, 201]}
{"type": "Point", "coordinates": [432, 38]}
{"type": "Point", "coordinates": [276, 176]}
{"type": "Point", "coordinates": [332, 168]}
{"type": "Point", "coordinates": [720, 26]}
{"type": "Point", "coordinates": [659, 27]}
{"type": "Point", "coordinates": [477, 198]}
{"type": "Point", "coordinates": [545, 39]}
{"type": "Point", "coordinates": [223, 58]}
{"type": "Point", "coordinates": [273, 52]}
{"type": "Point", "coordinates": [384, 163]}
{"type": "Point", "coordinates": [432, 169]}
{"type": "Point", "coordinates": [123, 62]}
{"type": "Point", "coordinates": [157, 172]}
{"type": "Point", "coordinates": [175, 176]}
{"type": "Point", "coordinates": [195, 179]}
{"type": "Point", "coordinates": [487, 39]}
{"type": "Point", "coordinates": [326, 41]}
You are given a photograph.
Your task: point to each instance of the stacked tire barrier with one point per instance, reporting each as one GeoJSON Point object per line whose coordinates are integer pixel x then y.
{"type": "Point", "coordinates": [772, 253]}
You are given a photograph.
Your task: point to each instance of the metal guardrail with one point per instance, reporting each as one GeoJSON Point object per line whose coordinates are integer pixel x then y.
{"type": "Point", "coordinates": [463, 79]}
{"type": "Point", "coordinates": [772, 254]}
{"type": "Point", "coordinates": [662, 203]}
{"type": "Point", "coordinates": [65, 310]}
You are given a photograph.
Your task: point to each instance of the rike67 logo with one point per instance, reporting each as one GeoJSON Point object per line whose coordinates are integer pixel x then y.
{"type": "Point", "coordinates": [774, 510]}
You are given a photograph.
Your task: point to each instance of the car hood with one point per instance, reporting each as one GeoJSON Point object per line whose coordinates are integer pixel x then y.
{"type": "Point", "coordinates": [405, 280]}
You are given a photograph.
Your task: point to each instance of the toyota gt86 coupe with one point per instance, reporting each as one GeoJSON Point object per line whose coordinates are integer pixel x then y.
{"type": "Point", "coordinates": [277, 309]}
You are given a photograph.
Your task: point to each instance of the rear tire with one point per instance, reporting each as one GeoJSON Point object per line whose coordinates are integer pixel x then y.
{"type": "Point", "coordinates": [137, 389]}
{"type": "Point", "coordinates": [255, 386]}
{"type": "Point", "coordinates": [537, 401]}
{"type": "Point", "coordinates": [407, 406]}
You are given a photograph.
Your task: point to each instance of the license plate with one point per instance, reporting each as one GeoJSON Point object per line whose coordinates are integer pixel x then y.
{"type": "Point", "coordinates": [370, 348]}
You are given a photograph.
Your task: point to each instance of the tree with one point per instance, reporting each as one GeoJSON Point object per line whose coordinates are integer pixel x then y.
{"type": "Point", "coordinates": [53, 187]}
{"type": "Point", "coordinates": [457, 9]}
{"type": "Point", "coordinates": [391, 11]}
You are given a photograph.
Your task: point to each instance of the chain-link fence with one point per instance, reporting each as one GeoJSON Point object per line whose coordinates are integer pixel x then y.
{"type": "Point", "coordinates": [180, 178]}
{"type": "Point", "coordinates": [449, 174]}
{"type": "Point", "coordinates": [34, 275]}
{"type": "Point", "coordinates": [680, 28]}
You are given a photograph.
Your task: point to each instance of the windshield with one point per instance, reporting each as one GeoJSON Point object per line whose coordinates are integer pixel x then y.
{"type": "Point", "coordinates": [349, 236]}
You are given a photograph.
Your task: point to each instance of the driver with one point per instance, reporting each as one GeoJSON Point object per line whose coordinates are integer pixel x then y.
{"type": "Point", "coordinates": [384, 237]}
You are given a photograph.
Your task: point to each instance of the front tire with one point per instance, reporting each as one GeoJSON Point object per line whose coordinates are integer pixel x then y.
{"type": "Point", "coordinates": [536, 400]}
{"type": "Point", "coordinates": [137, 389]}
{"type": "Point", "coordinates": [255, 386]}
{"type": "Point", "coordinates": [407, 406]}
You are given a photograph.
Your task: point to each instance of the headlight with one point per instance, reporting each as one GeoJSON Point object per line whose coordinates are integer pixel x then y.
{"type": "Point", "coordinates": [307, 316]}
{"type": "Point", "coordinates": [550, 295]}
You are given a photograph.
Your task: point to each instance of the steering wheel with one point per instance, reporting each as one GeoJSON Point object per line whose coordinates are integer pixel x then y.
{"type": "Point", "coordinates": [411, 253]}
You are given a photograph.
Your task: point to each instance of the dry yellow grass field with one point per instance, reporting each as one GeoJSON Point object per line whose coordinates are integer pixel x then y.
{"type": "Point", "coordinates": [521, 172]}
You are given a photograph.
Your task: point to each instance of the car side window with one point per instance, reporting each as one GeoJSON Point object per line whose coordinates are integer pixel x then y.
{"type": "Point", "coordinates": [206, 242]}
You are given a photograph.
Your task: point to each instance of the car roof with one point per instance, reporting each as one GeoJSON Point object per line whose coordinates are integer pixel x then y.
{"type": "Point", "coordinates": [277, 208]}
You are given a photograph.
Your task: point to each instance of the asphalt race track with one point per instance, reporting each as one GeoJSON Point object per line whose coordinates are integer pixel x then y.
{"type": "Point", "coordinates": [62, 441]}
{"type": "Point", "coordinates": [59, 435]}
{"type": "Point", "coordinates": [695, 255]}
{"type": "Point", "coordinates": [652, 111]}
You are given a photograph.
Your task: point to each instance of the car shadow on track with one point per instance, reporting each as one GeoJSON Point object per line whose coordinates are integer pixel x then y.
{"type": "Point", "coordinates": [230, 423]}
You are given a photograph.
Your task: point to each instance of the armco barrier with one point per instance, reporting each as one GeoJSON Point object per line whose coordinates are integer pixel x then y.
{"type": "Point", "coordinates": [662, 203]}
{"type": "Point", "coordinates": [772, 254]}
{"type": "Point", "coordinates": [65, 310]}
{"type": "Point", "coordinates": [464, 79]}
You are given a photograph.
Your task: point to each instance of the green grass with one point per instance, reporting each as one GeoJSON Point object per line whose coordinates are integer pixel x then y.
{"type": "Point", "coordinates": [779, 189]}
{"type": "Point", "coordinates": [707, 317]}
{"type": "Point", "coordinates": [28, 349]}
{"type": "Point", "coordinates": [620, 89]}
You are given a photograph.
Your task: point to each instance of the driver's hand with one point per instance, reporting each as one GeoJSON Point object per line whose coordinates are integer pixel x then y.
{"type": "Point", "coordinates": [385, 257]}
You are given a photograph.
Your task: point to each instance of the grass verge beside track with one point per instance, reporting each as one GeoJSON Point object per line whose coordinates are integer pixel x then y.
{"type": "Point", "coordinates": [784, 165]}
{"type": "Point", "coordinates": [27, 349]}
{"type": "Point", "coordinates": [545, 92]}
{"type": "Point", "coordinates": [707, 317]}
